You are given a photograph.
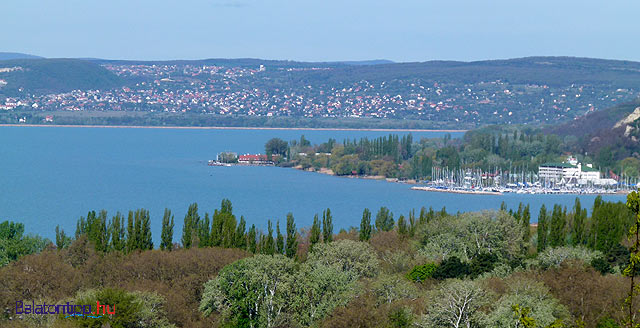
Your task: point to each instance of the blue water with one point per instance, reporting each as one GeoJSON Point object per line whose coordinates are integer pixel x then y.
{"type": "Point", "coordinates": [53, 175]}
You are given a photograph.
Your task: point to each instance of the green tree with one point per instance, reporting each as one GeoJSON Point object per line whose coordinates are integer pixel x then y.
{"type": "Point", "coordinates": [131, 233]}
{"type": "Point", "coordinates": [526, 223]}
{"type": "Point", "coordinates": [146, 241]}
{"type": "Point", "coordinates": [292, 239]}
{"type": "Point", "coordinates": [314, 234]}
{"type": "Point", "coordinates": [633, 204]}
{"type": "Point", "coordinates": [543, 229]}
{"type": "Point", "coordinates": [240, 238]}
{"type": "Point", "coordinates": [167, 231]}
{"type": "Point", "coordinates": [13, 244]}
{"type": "Point", "coordinates": [268, 245]}
{"type": "Point", "coordinates": [558, 223]}
{"type": "Point", "coordinates": [279, 239]}
{"type": "Point", "coordinates": [62, 240]}
{"type": "Point", "coordinates": [118, 238]}
{"type": "Point", "coordinates": [384, 219]}
{"type": "Point", "coordinates": [251, 239]}
{"type": "Point", "coordinates": [365, 225]}
{"type": "Point", "coordinates": [191, 222]}
{"type": "Point", "coordinates": [276, 146]}
{"type": "Point", "coordinates": [578, 228]}
{"type": "Point", "coordinates": [327, 226]}
{"type": "Point", "coordinates": [403, 230]}
{"type": "Point", "coordinates": [252, 292]}
{"type": "Point", "coordinates": [204, 232]}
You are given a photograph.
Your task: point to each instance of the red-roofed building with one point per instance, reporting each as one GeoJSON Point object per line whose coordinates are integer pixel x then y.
{"type": "Point", "coordinates": [255, 159]}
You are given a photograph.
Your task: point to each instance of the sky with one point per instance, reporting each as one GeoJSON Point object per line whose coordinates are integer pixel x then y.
{"type": "Point", "coordinates": [321, 30]}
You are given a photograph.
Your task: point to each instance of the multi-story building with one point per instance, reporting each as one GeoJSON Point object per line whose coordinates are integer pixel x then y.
{"type": "Point", "coordinates": [569, 172]}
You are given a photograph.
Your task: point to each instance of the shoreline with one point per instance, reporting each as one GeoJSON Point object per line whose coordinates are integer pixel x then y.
{"type": "Point", "coordinates": [223, 128]}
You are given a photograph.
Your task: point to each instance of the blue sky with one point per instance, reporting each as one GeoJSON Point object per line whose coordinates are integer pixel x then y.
{"type": "Point", "coordinates": [321, 30]}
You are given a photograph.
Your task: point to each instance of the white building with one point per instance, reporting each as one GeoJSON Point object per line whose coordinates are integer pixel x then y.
{"type": "Point", "coordinates": [569, 172]}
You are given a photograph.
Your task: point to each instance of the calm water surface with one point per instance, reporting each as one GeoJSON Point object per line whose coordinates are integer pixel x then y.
{"type": "Point", "coordinates": [53, 175]}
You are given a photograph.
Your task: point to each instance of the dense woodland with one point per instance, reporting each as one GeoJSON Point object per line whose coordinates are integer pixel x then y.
{"type": "Point", "coordinates": [492, 268]}
{"type": "Point", "coordinates": [512, 149]}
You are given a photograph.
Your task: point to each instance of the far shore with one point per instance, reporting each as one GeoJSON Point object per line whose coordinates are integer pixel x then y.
{"type": "Point", "coordinates": [222, 128]}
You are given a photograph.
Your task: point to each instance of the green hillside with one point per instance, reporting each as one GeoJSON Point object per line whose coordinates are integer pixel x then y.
{"type": "Point", "coordinates": [604, 134]}
{"type": "Point", "coordinates": [42, 76]}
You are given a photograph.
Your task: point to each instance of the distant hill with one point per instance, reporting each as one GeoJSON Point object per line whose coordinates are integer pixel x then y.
{"type": "Point", "coordinates": [16, 55]}
{"type": "Point", "coordinates": [366, 62]}
{"type": "Point", "coordinates": [613, 133]}
{"type": "Point", "coordinates": [551, 71]}
{"type": "Point", "coordinates": [42, 76]}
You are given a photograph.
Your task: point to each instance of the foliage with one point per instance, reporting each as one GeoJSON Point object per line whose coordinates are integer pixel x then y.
{"type": "Point", "coordinates": [137, 309]}
{"type": "Point", "coordinates": [13, 244]}
{"type": "Point", "coordinates": [255, 291]}
{"type": "Point", "coordinates": [451, 267]}
{"type": "Point", "coordinates": [553, 257]}
{"type": "Point", "coordinates": [527, 294]}
{"type": "Point", "coordinates": [384, 219]}
{"type": "Point", "coordinates": [391, 288]}
{"type": "Point", "coordinates": [456, 304]}
{"type": "Point", "coordinates": [420, 273]}
{"type": "Point", "coordinates": [365, 225]}
{"type": "Point", "coordinates": [352, 257]}
{"type": "Point", "coordinates": [468, 235]}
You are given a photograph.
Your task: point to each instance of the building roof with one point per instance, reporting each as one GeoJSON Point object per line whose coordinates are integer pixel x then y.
{"type": "Point", "coordinates": [589, 169]}
{"type": "Point", "coordinates": [559, 165]}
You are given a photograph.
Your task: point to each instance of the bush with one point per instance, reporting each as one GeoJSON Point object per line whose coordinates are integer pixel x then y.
{"type": "Point", "coordinates": [601, 265]}
{"type": "Point", "coordinates": [354, 257]}
{"type": "Point", "coordinates": [482, 263]}
{"type": "Point", "coordinates": [420, 273]}
{"type": "Point", "coordinates": [451, 268]}
{"type": "Point", "coordinates": [553, 257]}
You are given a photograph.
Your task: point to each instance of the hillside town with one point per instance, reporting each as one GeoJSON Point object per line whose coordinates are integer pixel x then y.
{"type": "Point", "coordinates": [265, 91]}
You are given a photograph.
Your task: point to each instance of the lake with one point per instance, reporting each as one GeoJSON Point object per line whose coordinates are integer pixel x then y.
{"type": "Point", "coordinates": [53, 175]}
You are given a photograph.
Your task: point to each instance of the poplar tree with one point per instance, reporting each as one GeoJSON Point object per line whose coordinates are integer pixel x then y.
{"type": "Point", "coordinates": [137, 230]}
{"type": "Point", "coordinates": [217, 223]}
{"type": "Point", "coordinates": [542, 229]}
{"type": "Point", "coordinates": [61, 238]}
{"type": "Point", "coordinates": [267, 245]}
{"type": "Point", "coordinates": [423, 216]}
{"type": "Point", "coordinates": [314, 234]}
{"type": "Point", "coordinates": [204, 236]}
{"type": "Point", "coordinates": [578, 228]}
{"type": "Point", "coordinates": [402, 226]}
{"type": "Point", "coordinates": [292, 240]}
{"type": "Point", "coordinates": [228, 230]}
{"type": "Point", "coordinates": [384, 219]}
{"type": "Point", "coordinates": [558, 223]}
{"type": "Point", "coordinates": [631, 271]}
{"type": "Point", "coordinates": [526, 223]}
{"type": "Point", "coordinates": [279, 239]}
{"type": "Point", "coordinates": [327, 226]}
{"type": "Point", "coordinates": [412, 222]}
{"type": "Point", "coordinates": [131, 238]}
{"type": "Point", "coordinates": [240, 238]}
{"type": "Point", "coordinates": [118, 239]}
{"type": "Point", "coordinates": [251, 239]}
{"type": "Point", "coordinates": [365, 225]}
{"type": "Point", "coordinates": [146, 240]}
{"type": "Point", "coordinates": [167, 231]}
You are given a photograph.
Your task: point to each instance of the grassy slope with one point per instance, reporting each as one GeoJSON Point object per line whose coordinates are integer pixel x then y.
{"type": "Point", "coordinates": [41, 76]}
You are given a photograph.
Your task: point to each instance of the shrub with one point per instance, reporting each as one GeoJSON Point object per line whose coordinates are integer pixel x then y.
{"type": "Point", "coordinates": [553, 257]}
{"type": "Point", "coordinates": [451, 268]}
{"type": "Point", "coordinates": [420, 273]}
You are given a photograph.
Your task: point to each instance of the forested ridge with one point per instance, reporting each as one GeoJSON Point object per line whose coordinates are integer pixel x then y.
{"type": "Point", "coordinates": [513, 149]}
{"type": "Point", "coordinates": [406, 270]}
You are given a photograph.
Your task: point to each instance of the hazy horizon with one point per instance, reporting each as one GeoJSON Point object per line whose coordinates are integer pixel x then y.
{"type": "Point", "coordinates": [410, 31]}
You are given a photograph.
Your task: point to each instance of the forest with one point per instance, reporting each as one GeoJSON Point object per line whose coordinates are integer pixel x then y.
{"type": "Point", "coordinates": [512, 149]}
{"type": "Point", "coordinates": [426, 268]}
